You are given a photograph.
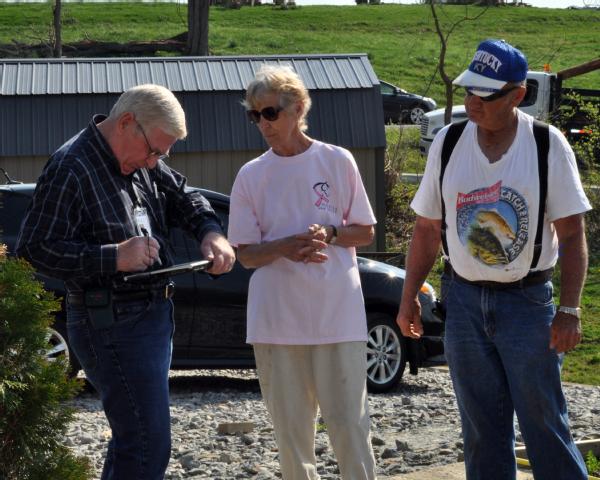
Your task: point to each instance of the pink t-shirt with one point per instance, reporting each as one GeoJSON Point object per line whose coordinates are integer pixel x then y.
{"type": "Point", "coordinates": [293, 303]}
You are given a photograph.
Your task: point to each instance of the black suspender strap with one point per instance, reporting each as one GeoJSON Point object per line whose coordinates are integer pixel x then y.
{"type": "Point", "coordinates": [452, 135]}
{"type": "Point", "coordinates": [541, 133]}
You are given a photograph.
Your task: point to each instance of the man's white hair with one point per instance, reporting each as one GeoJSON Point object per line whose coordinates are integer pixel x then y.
{"type": "Point", "coordinates": [153, 106]}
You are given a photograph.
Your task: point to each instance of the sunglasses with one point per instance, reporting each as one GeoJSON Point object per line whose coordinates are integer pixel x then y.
{"type": "Point", "coordinates": [493, 96]}
{"type": "Point", "coordinates": [270, 114]}
{"type": "Point", "coordinates": [151, 151]}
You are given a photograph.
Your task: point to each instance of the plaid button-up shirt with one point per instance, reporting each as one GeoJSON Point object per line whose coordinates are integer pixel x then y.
{"type": "Point", "coordinates": [83, 206]}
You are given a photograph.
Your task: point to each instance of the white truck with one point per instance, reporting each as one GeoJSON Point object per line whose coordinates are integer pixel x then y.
{"type": "Point", "coordinates": [544, 96]}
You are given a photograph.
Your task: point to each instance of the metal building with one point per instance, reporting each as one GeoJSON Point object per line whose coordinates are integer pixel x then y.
{"type": "Point", "coordinates": [44, 102]}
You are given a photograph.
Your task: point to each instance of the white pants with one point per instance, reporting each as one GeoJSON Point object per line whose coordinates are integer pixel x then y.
{"type": "Point", "coordinates": [297, 379]}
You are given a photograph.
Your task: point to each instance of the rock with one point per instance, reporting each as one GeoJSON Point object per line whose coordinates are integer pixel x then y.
{"type": "Point", "coordinates": [247, 439]}
{"type": "Point", "coordinates": [320, 449]}
{"type": "Point", "coordinates": [225, 457]}
{"type": "Point", "coordinates": [86, 439]}
{"type": "Point", "coordinates": [189, 461]}
{"type": "Point", "coordinates": [236, 427]}
{"type": "Point", "coordinates": [402, 446]}
{"type": "Point", "coordinates": [390, 453]}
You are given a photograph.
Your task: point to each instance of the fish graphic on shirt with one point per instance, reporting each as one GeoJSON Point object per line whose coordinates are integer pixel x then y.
{"type": "Point", "coordinates": [493, 221]}
{"type": "Point", "coordinates": [489, 236]}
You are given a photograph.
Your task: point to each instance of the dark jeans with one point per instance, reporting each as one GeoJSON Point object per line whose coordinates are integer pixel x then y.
{"type": "Point", "coordinates": [128, 364]}
{"type": "Point", "coordinates": [497, 347]}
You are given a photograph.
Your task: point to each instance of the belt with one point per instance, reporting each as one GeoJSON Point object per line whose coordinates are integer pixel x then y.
{"type": "Point", "coordinates": [163, 292]}
{"type": "Point", "coordinates": [532, 278]}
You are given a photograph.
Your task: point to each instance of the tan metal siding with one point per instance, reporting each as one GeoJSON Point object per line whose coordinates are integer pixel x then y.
{"type": "Point", "coordinates": [23, 169]}
{"type": "Point", "coordinates": [212, 170]}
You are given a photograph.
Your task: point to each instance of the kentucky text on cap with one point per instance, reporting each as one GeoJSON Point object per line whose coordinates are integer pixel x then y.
{"type": "Point", "coordinates": [495, 64]}
{"type": "Point", "coordinates": [483, 59]}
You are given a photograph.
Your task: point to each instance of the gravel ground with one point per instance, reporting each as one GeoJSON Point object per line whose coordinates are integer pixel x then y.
{"type": "Point", "coordinates": [413, 427]}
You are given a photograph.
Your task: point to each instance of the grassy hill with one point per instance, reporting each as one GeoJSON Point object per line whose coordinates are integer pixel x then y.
{"type": "Point", "coordinates": [400, 39]}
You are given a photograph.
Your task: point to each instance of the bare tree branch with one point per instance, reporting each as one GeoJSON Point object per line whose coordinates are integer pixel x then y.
{"type": "Point", "coordinates": [443, 49]}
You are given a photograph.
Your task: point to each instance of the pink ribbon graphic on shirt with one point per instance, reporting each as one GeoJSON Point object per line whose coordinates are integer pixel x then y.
{"type": "Point", "coordinates": [321, 191]}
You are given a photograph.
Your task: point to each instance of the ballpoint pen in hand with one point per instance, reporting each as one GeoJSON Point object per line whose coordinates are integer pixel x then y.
{"type": "Point", "coordinates": [147, 235]}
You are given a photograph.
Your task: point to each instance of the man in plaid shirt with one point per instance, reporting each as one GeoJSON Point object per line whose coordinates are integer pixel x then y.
{"type": "Point", "coordinates": [103, 207]}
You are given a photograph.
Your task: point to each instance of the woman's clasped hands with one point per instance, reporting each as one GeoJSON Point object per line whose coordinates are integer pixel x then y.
{"type": "Point", "coordinates": [307, 247]}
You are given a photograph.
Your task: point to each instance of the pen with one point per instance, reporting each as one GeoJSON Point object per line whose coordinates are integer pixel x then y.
{"type": "Point", "coordinates": [145, 233]}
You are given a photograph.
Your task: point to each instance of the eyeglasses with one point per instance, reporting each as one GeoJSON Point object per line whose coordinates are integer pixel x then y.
{"type": "Point", "coordinates": [492, 97]}
{"type": "Point", "coordinates": [270, 114]}
{"type": "Point", "coordinates": [151, 151]}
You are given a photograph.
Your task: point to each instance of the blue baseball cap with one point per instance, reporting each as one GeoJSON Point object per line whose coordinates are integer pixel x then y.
{"type": "Point", "coordinates": [495, 64]}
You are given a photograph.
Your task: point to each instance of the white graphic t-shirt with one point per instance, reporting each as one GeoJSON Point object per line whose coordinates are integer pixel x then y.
{"type": "Point", "coordinates": [492, 208]}
{"type": "Point", "coordinates": [273, 197]}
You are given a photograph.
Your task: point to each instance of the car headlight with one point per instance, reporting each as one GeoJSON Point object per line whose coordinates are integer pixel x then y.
{"type": "Point", "coordinates": [430, 102]}
{"type": "Point", "coordinates": [428, 290]}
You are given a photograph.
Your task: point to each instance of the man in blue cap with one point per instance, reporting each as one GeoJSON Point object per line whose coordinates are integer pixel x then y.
{"type": "Point", "coordinates": [502, 194]}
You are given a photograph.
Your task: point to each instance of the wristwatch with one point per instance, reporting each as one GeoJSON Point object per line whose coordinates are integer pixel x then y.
{"type": "Point", "coordinates": [334, 234]}
{"type": "Point", "coordinates": [575, 311]}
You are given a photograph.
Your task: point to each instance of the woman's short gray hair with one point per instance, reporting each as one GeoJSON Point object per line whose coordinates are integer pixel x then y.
{"type": "Point", "coordinates": [154, 106]}
{"type": "Point", "coordinates": [281, 80]}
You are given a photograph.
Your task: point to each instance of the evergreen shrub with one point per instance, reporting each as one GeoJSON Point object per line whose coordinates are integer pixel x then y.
{"type": "Point", "coordinates": [33, 390]}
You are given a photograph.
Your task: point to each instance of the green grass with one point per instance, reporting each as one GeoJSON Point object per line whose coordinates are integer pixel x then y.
{"type": "Point", "coordinates": [403, 149]}
{"type": "Point", "coordinates": [400, 39]}
{"type": "Point", "coordinates": [582, 365]}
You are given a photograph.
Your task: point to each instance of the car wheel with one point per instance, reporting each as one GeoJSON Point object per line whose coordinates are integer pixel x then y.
{"type": "Point", "coordinates": [59, 348]}
{"type": "Point", "coordinates": [416, 115]}
{"type": "Point", "coordinates": [386, 352]}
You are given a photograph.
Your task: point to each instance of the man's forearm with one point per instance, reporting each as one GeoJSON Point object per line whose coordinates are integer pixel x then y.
{"type": "Point", "coordinates": [66, 260]}
{"type": "Point", "coordinates": [422, 254]}
{"type": "Point", "coordinates": [573, 258]}
{"type": "Point", "coordinates": [573, 266]}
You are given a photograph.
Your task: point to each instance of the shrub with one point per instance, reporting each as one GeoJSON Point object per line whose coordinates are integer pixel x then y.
{"type": "Point", "coordinates": [33, 417]}
{"type": "Point", "coordinates": [592, 463]}
{"type": "Point", "coordinates": [583, 114]}
{"type": "Point", "coordinates": [399, 216]}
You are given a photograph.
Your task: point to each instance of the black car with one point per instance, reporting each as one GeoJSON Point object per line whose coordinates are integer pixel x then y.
{"type": "Point", "coordinates": [400, 106]}
{"type": "Point", "coordinates": [210, 314]}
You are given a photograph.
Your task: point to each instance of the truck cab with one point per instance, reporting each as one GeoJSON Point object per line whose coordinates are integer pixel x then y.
{"type": "Point", "coordinates": [538, 102]}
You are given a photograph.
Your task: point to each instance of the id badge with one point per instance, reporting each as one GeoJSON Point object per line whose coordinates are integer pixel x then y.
{"type": "Point", "coordinates": [142, 222]}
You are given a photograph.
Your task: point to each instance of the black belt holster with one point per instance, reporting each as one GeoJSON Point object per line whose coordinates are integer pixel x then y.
{"type": "Point", "coordinates": [99, 305]}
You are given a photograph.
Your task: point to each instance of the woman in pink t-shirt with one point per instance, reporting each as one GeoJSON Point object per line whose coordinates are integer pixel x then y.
{"type": "Point", "coordinates": [297, 213]}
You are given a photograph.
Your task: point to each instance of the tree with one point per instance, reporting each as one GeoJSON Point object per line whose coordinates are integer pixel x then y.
{"type": "Point", "coordinates": [197, 39]}
{"type": "Point", "coordinates": [56, 11]}
{"type": "Point", "coordinates": [442, 60]}
{"type": "Point", "coordinates": [33, 417]}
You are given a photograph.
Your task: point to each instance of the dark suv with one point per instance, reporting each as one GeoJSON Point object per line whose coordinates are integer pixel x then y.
{"type": "Point", "coordinates": [210, 315]}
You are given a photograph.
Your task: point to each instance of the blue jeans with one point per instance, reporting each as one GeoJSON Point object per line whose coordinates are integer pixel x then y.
{"type": "Point", "coordinates": [497, 347]}
{"type": "Point", "coordinates": [128, 364]}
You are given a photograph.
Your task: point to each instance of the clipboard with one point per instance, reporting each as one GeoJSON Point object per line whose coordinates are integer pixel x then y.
{"type": "Point", "coordinates": [197, 266]}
